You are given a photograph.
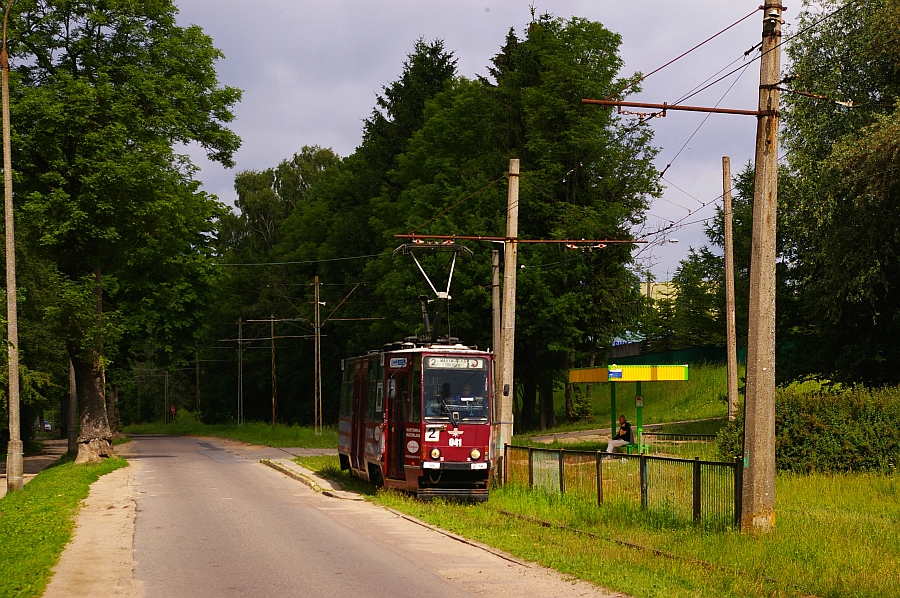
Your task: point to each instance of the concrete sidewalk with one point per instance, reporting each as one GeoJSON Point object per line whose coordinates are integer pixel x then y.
{"type": "Point", "coordinates": [34, 464]}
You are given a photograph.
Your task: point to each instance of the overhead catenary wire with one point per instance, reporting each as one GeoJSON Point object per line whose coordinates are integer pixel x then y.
{"type": "Point", "coordinates": [679, 57]}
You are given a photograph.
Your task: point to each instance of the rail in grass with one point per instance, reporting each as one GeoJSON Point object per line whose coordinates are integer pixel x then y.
{"type": "Point", "coordinates": [418, 417]}
{"type": "Point", "coordinates": [706, 492]}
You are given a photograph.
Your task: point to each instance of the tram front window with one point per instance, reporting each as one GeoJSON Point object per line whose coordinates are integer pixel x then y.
{"type": "Point", "coordinates": [456, 389]}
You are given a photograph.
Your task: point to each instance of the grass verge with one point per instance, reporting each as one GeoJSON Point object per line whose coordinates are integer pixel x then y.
{"type": "Point", "coordinates": [252, 432]}
{"type": "Point", "coordinates": [37, 523]}
{"type": "Point", "coordinates": [826, 539]}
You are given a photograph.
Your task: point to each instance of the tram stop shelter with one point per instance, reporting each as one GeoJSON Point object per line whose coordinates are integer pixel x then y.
{"type": "Point", "coordinates": [638, 374]}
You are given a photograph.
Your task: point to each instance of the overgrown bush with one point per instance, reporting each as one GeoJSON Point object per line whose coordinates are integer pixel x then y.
{"type": "Point", "coordinates": [855, 429]}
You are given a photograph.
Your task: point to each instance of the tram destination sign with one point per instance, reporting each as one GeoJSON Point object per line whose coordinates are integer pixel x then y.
{"type": "Point", "coordinates": [456, 363]}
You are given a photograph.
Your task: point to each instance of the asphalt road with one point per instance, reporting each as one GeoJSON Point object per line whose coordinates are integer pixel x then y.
{"type": "Point", "coordinates": [212, 521]}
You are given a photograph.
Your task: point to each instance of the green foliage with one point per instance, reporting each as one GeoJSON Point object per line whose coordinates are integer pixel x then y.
{"type": "Point", "coordinates": [844, 198]}
{"type": "Point", "coordinates": [37, 523]}
{"type": "Point", "coordinates": [108, 211]}
{"type": "Point", "coordinates": [434, 158]}
{"type": "Point", "coordinates": [830, 430]}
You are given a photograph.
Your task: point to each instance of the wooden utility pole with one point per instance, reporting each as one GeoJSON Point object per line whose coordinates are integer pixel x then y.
{"type": "Point", "coordinates": [496, 330]}
{"type": "Point", "coordinates": [274, 385]}
{"type": "Point", "coordinates": [508, 341]}
{"type": "Point", "coordinates": [317, 397]}
{"type": "Point", "coordinates": [14, 451]}
{"type": "Point", "coordinates": [240, 388]}
{"type": "Point", "coordinates": [730, 327]}
{"type": "Point", "coordinates": [166, 398]}
{"type": "Point", "coordinates": [758, 500]}
{"type": "Point", "coordinates": [138, 382]}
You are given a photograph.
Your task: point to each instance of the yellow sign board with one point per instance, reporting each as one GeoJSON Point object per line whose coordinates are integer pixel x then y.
{"type": "Point", "coordinates": [630, 373]}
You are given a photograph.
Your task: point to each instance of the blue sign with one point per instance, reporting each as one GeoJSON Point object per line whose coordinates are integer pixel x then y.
{"type": "Point", "coordinates": [397, 363]}
{"type": "Point", "coordinates": [615, 374]}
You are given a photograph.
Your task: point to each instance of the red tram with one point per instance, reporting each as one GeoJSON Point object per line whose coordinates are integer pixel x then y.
{"type": "Point", "coordinates": [418, 417]}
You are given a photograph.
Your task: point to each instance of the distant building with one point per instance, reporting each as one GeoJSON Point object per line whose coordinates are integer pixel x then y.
{"type": "Point", "coordinates": [658, 290]}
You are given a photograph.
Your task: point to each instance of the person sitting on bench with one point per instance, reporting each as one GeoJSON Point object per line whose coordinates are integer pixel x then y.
{"type": "Point", "coordinates": [622, 437]}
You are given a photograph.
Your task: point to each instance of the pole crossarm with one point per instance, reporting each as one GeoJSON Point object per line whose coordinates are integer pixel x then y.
{"type": "Point", "coordinates": [665, 107]}
{"type": "Point", "coordinates": [516, 240]}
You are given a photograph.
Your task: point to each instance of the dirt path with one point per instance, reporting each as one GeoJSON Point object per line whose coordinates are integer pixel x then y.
{"type": "Point", "coordinates": [98, 560]}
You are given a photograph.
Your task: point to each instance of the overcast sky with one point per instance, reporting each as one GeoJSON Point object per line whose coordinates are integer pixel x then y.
{"type": "Point", "coordinates": [310, 70]}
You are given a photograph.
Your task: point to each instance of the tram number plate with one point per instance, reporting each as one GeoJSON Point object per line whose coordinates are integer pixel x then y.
{"type": "Point", "coordinates": [454, 442]}
{"type": "Point", "coordinates": [433, 434]}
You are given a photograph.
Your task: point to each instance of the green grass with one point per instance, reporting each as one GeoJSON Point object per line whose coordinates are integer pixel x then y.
{"type": "Point", "coordinates": [37, 523]}
{"type": "Point", "coordinates": [836, 536]}
{"type": "Point", "coordinates": [252, 432]}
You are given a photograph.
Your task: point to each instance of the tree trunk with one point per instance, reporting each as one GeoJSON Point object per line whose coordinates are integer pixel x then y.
{"type": "Point", "coordinates": [529, 393]}
{"type": "Point", "coordinates": [95, 439]}
{"type": "Point", "coordinates": [548, 413]}
{"type": "Point", "coordinates": [112, 401]}
{"type": "Point", "coordinates": [570, 403]}
{"type": "Point", "coordinates": [589, 391]}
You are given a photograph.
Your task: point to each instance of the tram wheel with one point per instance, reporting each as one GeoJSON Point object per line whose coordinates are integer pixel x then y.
{"type": "Point", "coordinates": [375, 477]}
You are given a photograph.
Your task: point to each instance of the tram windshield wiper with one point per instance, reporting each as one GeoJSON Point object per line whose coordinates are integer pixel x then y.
{"type": "Point", "coordinates": [453, 415]}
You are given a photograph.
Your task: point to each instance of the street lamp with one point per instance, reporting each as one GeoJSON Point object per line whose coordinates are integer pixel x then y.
{"type": "Point", "coordinates": [14, 469]}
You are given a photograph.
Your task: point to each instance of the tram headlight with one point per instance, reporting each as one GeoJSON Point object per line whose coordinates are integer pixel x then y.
{"type": "Point", "coordinates": [435, 453]}
{"type": "Point", "coordinates": [475, 454]}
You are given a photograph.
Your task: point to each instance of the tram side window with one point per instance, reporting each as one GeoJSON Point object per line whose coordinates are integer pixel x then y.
{"type": "Point", "coordinates": [347, 391]}
{"type": "Point", "coordinates": [415, 411]}
{"type": "Point", "coordinates": [375, 411]}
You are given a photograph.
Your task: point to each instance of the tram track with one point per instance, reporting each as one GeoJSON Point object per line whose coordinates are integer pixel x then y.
{"type": "Point", "coordinates": [657, 552]}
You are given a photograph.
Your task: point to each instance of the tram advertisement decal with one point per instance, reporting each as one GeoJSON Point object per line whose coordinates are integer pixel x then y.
{"type": "Point", "coordinates": [456, 363]}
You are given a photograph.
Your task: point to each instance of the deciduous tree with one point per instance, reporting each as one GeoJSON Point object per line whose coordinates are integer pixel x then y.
{"type": "Point", "coordinates": [102, 92]}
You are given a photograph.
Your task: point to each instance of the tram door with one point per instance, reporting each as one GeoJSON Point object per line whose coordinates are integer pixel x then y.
{"type": "Point", "coordinates": [358, 419]}
{"type": "Point", "coordinates": [398, 392]}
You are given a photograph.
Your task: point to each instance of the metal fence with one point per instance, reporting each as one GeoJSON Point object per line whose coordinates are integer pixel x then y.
{"type": "Point", "coordinates": [706, 492]}
{"type": "Point", "coordinates": [685, 446]}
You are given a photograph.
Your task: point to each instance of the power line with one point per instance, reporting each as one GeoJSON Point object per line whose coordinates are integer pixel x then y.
{"type": "Point", "coordinates": [742, 19]}
{"type": "Point", "coordinates": [334, 259]}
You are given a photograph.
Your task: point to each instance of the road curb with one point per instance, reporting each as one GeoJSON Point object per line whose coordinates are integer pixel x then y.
{"type": "Point", "coordinates": [301, 474]}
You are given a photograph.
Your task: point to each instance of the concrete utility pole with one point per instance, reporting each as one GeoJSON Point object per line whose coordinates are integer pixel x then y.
{"type": "Point", "coordinates": [507, 344]}
{"type": "Point", "coordinates": [497, 331]}
{"type": "Point", "coordinates": [758, 504]}
{"type": "Point", "coordinates": [730, 329]}
{"type": "Point", "coordinates": [14, 450]}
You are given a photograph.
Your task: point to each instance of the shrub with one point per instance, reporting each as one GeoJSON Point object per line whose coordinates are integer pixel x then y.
{"type": "Point", "coordinates": [855, 429]}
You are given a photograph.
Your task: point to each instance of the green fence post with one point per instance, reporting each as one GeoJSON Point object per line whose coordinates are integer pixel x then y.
{"type": "Point", "coordinates": [697, 489]}
{"type": "Point", "coordinates": [642, 461]}
{"type": "Point", "coordinates": [599, 479]}
{"type": "Point", "coordinates": [505, 463]}
{"type": "Point", "coordinates": [612, 408]}
{"type": "Point", "coordinates": [738, 490]}
{"type": "Point", "coordinates": [639, 408]}
{"type": "Point", "coordinates": [530, 468]}
{"type": "Point", "coordinates": [562, 472]}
